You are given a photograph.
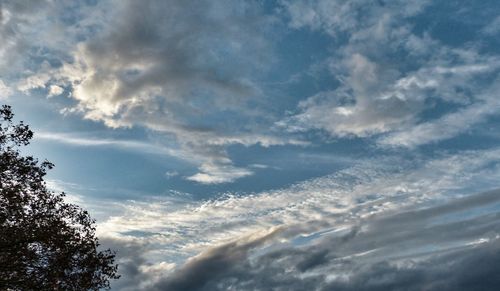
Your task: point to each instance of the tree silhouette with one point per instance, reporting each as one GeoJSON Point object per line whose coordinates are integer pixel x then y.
{"type": "Point", "coordinates": [45, 243]}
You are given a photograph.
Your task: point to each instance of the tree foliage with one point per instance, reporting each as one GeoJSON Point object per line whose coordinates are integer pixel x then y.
{"type": "Point", "coordinates": [45, 243]}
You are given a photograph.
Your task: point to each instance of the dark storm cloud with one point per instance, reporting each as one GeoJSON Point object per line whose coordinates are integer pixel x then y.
{"type": "Point", "coordinates": [472, 269]}
{"type": "Point", "coordinates": [453, 246]}
{"type": "Point", "coordinates": [130, 258]}
{"type": "Point", "coordinates": [215, 263]}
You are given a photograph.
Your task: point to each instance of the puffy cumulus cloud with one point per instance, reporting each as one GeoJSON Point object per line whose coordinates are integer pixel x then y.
{"type": "Point", "coordinates": [389, 76]}
{"type": "Point", "coordinates": [194, 59]}
{"type": "Point", "coordinates": [476, 105]}
{"type": "Point", "coordinates": [188, 72]}
{"type": "Point", "coordinates": [36, 81]}
{"type": "Point", "coordinates": [37, 37]}
{"type": "Point", "coordinates": [55, 90]}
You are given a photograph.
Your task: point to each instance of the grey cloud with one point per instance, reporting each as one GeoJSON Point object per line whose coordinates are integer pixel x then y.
{"type": "Point", "coordinates": [475, 269]}
{"type": "Point", "coordinates": [452, 246]}
{"type": "Point", "coordinates": [130, 258]}
{"type": "Point", "coordinates": [171, 49]}
{"type": "Point", "coordinates": [169, 66]}
{"type": "Point", "coordinates": [168, 46]}
{"type": "Point", "coordinates": [313, 260]}
{"type": "Point", "coordinates": [175, 68]}
{"type": "Point", "coordinates": [199, 272]}
{"type": "Point", "coordinates": [16, 18]}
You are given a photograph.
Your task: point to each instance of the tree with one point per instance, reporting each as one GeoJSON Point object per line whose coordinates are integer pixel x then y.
{"type": "Point", "coordinates": [45, 243]}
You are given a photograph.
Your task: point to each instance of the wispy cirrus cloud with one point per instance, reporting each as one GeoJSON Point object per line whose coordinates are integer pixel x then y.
{"type": "Point", "coordinates": [447, 126]}
{"type": "Point", "coordinates": [323, 224]}
{"type": "Point", "coordinates": [215, 169]}
{"type": "Point", "coordinates": [76, 140]}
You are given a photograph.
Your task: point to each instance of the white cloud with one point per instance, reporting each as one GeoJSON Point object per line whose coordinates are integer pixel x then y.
{"type": "Point", "coordinates": [378, 94]}
{"type": "Point", "coordinates": [259, 166]}
{"type": "Point", "coordinates": [70, 189]}
{"type": "Point", "coordinates": [493, 28]}
{"type": "Point", "coordinates": [332, 205]}
{"type": "Point", "coordinates": [369, 110]}
{"type": "Point", "coordinates": [171, 174]}
{"type": "Point", "coordinates": [338, 16]}
{"type": "Point", "coordinates": [380, 252]}
{"type": "Point", "coordinates": [445, 127]}
{"type": "Point", "coordinates": [34, 81]}
{"type": "Point", "coordinates": [5, 91]}
{"type": "Point", "coordinates": [195, 80]}
{"type": "Point", "coordinates": [372, 186]}
{"type": "Point", "coordinates": [132, 145]}
{"type": "Point", "coordinates": [55, 90]}
{"type": "Point", "coordinates": [378, 106]}
{"type": "Point", "coordinates": [217, 168]}
{"type": "Point", "coordinates": [219, 173]}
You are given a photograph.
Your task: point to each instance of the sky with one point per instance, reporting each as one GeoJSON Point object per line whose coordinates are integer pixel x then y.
{"type": "Point", "coordinates": [270, 145]}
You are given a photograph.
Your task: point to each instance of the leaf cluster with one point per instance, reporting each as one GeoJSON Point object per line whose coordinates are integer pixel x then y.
{"type": "Point", "coordinates": [45, 243]}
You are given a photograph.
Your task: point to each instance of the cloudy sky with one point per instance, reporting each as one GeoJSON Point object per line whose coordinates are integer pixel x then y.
{"type": "Point", "coordinates": [270, 145]}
